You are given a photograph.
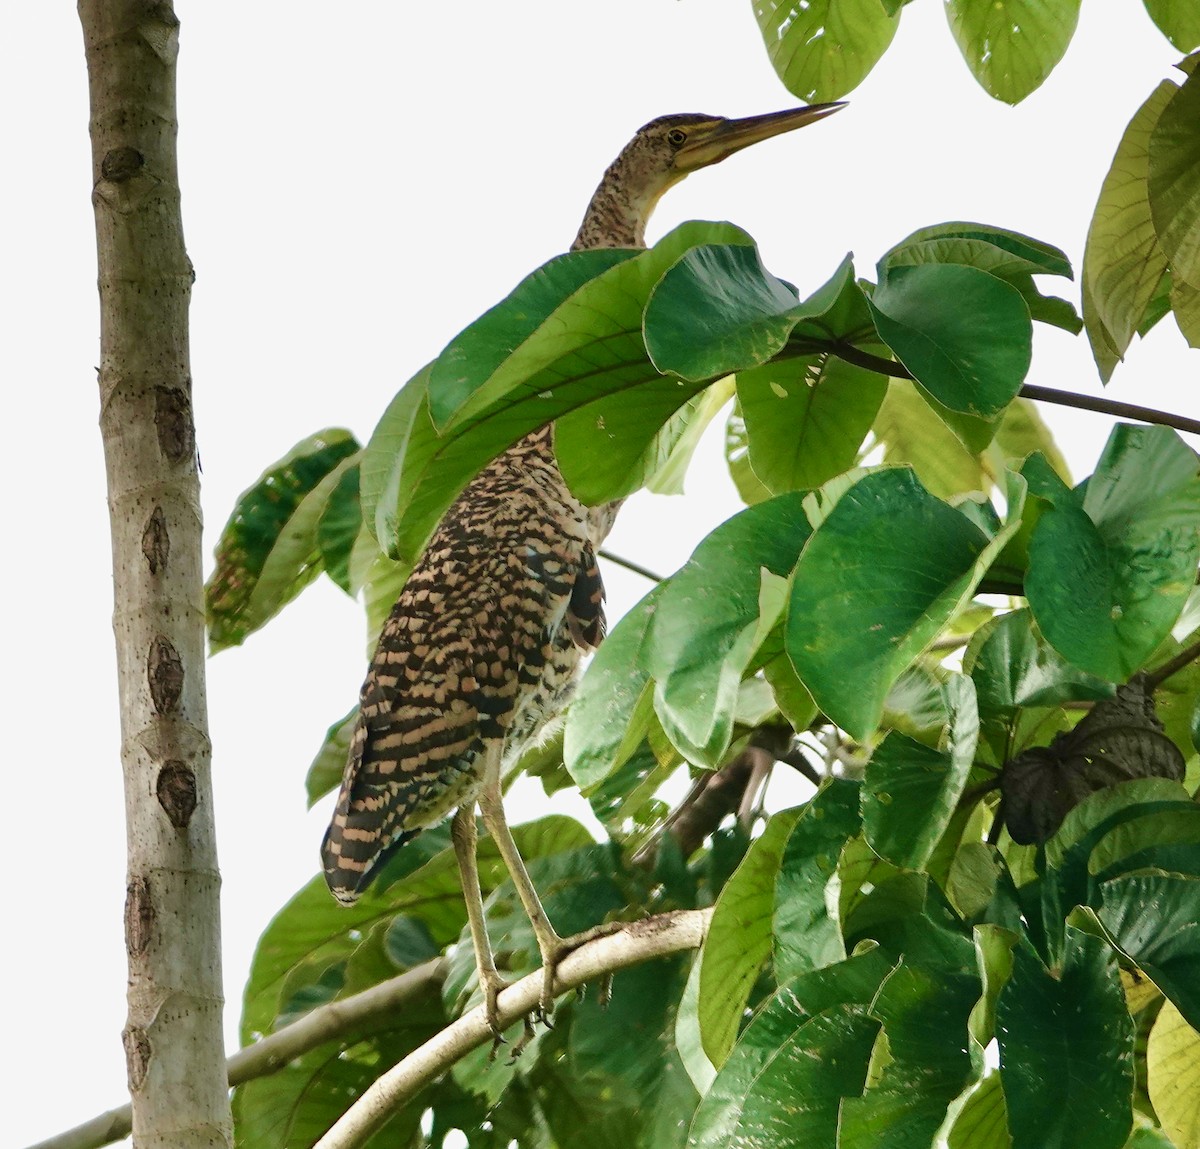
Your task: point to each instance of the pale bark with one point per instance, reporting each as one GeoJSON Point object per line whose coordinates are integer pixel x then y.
{"type": "Point", "coordinates": [173, 1041]}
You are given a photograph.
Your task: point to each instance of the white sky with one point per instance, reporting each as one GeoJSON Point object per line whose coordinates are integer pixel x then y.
{"type": "Point", "coordinates": [359, 182]}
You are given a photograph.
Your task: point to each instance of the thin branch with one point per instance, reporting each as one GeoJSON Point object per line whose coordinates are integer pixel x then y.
{"type": "Point", "coordinates": [323, 1024]}
{"type": "Point", "coordinates": [639, 942]}
{"type": "Point", "coordinates": [881, 366]}
{"type": "Point", "coordinates": [630, 565]}
{"type": "Point", "coordinates": [1189, 654]}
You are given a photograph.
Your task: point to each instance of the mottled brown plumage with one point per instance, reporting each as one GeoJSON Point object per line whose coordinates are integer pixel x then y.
{"type": "Point", "coordinates": [483, 645]}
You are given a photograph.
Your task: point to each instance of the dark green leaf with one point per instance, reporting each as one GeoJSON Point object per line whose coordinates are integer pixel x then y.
{"type": "Point", "coordinates": [1069, 1028]}
{"type": "Point", "coordinates": [268, 552]}
{"type": "Point", "coordinates": [1154, 919]}
{"type": "Point", "coordinates": [751, 1082]}
{"type": "Point", "coordinates": [1012, 46]}
{"type": "Point", "coordinates": [911, 790]}
{"type": "Point", "coordinates": [338, 528]}
{"type": "Point", "coordinates": [806, 935]}
{"type": "Point", "coordinates": [823, 49]}
{"type": "Point", "coordinates": [325, 771]}
{"type": "Point", "coordinates": [965, 335]}
{"type": "Point", "coordinates": [709, 622]}
{"type": "Point", "coordinates": [739, 938]}
{"type": "Point", "coordinates": [865, 602]}
{"type": "Point", "coordinates": [1110, 572]}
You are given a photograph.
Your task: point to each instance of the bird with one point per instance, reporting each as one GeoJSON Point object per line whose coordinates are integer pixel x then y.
{"type": "Point", "coordinates": [485, 641]}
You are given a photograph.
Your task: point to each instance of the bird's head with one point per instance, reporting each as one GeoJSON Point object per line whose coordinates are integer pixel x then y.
{"type": "Point", "coordinates": [662, 153]}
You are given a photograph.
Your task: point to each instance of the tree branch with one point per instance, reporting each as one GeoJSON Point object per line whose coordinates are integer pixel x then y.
{"type": "Point", "coordinates": [323, 1024]}
{"type": "Point", "coordinates": [630, 565]}
{"type": "Point", "coordinates": [639, 942]}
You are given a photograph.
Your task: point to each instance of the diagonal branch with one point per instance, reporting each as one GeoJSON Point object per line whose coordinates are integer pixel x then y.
{"type": "Point", "coordinates": [639, 942]}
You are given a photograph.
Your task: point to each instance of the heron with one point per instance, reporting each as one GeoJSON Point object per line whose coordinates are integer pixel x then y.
{"type": "Point", "coordinates": [483, 645]}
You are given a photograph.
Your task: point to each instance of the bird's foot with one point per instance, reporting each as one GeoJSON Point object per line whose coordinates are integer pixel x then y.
{"type": "Point", "coordinates": [553, 953]}
{"type": "Point", "coordinates": [492, 985]}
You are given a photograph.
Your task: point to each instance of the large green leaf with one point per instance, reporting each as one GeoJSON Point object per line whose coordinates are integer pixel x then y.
{"type": "Point", "coordinates": [590, 346]}
{"type": "Point", "coordinates": [1123, 262]}
{"type": "Point", "coordinates": [865, 601]}
{"type": "Point", "coordinates": [924, 1065]}
{"type": "Point", "coordinates": [1011, 46]}
{"type": "Point", "coordinates": [1154, 919]}
{"type": "Point", "coordinates": [269, 550]}
{"type": "Point", "coordinates": [806, 418]}
{"type": "Point", "coordinates": [911, 790]}
{"type": "Point", "coordinates": [1173, 1072]}
{"type": "Point", "coordinates": [708, 622]}
{"type": "Point", "coordinates": [983, 1122]}
{"type": "Point", "coordinates": [750, 487]}
{"type": "Point", "coordinates": [822, 49]}
{"type": "Point", "coordinates": [807, 935]}
{"type": "Point", "coordinates": [965, 335]}
{"type": "Point", "coordinates": [339, 527]}
{"type": "Point", "coordinates": [739, 938]}
{"type": "Point", "coordinates": [1066, 1049]}
{"type": "Point", "coordinates": [1174, 181]}
{"type": "Point", "coordinates": [612, 707]}
{"type": "Point", "coordinates": [996, 250]}
{"type": "Point", "coordinates": [1178, 20]}
{"type": "Point", "coordinates": [1111, 568]}
{"type": "Point", "coordinates": [806, 1049]}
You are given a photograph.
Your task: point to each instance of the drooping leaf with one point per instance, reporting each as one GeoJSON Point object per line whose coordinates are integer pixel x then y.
{"type": "Point", "coordinates": [1178, 20]}
{"type": "Point", "coordinates": [996, 250]}
{"type": "Point", "coordinates": [1174, 181]}
{"type": "Point", "coordinates": [737, 456]}
{"type": "Point", "coordinates": [911, 790]}
{"type": "Point", "coordinates": [1012, 46]}
{"type": "Point", "coordinates": [865, 602]}
{"type": "Point", "coordinates": [824, 48]}
{"type": "Point", "coordinates": [612, 707]}
{"type": "Point", "coordinates": [709, 621]}
{"type": "Point", "coordinates": [1154, 919]}
{"type": "Point", "coordinates": [325, 771]}
{"type": "Point", "coordinates": [806, 419]}
{"type": "Point", "coordinates": [1119, 740]}
{"type": "Point", "coordinates": [1123, 261]}
{"type": "Point", "coordinates": [806, 934]}
{"type": "Point", "coordinates": [339, 527]}
{"type": "Point", "coordinates": [739, 938]}
{"type": "Point", "coordinates": [965, 335]}
{"type": "Point", "coordinates": [1110, 572]}
{"type": "Point", "coordinates": [1070, 1028]}
{"type": "Point", "coordinates": [269, 550]}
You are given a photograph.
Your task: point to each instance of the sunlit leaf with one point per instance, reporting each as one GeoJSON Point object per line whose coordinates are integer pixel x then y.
{"type": "Point", "coordinates": [983, 1122]}
{"type": "Point", "coordinates": [1173, 1070]}
{"type": "Point", "coordinates": [1174, 181]}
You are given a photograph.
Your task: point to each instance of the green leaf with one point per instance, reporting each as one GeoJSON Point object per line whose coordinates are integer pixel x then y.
{"type": "Point", "coordinates": [325, 771]}
{"type": "Point", "coordinates": [1178, 20]}
{"type": "Point", "coordinates": [865, 602]}
{"type": "Point", "coordinates": [739, 938]}
{"type": "Point", "coordinates": [911, 791]}
{"type": "Point", "coordinates": [1015, 668]}
{"type": "Point", "coordinates": [268, 552]}
{"type": "Point", "coordinates": [1011, 46]}
{"type": "Point", "coordinates": [823, 49]}
{"type": "Point", "coordinates": [965, 335]}
{"type": "Point", "coordinates": [1173, 1070]}
{"type": "Point", "coordinates": [806, 935]}
{"type": "Point", "coordinates": [681, 435]}
{"type": "Point", "coordinates": [476, 352]}
{"type": "Point", "coordinates": [983, 1122]}
{"type": "Point", "coordinates": [709, 622]}
{"type": "Point", "coordinates": [1154, 920]}
{"type": "Point", "coordinates": [993, 249]}
{"type": "Point", "coordinates": [806, 1049]}
{"type": "Point", "coordinates": [806, 419]}
{"type": "Point", "coordinates": [922, 1062]}
{"type": "Point", "coordinates": [687, 1034]}
{"type": "Point", "coordinates": [749, 486]}
{"type": "Point", "coordinates": [1123, 262]}
{"type": "Point", "coordinates": [1109, 573]}
{"type": "Point", "coordinates": [1072, 1029]}
{"type": "Point", "coordinates": [1174, 181]}
{"type": "Point", "coordinates": [612, 707]}
{"type": "Point", "coordinates": [339, 527]}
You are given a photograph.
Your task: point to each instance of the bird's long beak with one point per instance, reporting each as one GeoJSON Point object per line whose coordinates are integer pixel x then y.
{"type": "Point", "coordinates": [729, 136]}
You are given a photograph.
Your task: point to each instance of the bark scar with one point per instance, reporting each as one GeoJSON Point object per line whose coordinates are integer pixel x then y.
{"type": "Point", "coordinates": [164, 673]}
{"type": "Point", "coordinates": [176, 790]}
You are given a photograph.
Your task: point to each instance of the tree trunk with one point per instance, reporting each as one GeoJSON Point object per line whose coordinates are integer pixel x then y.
{"type": "Point", "coordinates": [173, 1038]}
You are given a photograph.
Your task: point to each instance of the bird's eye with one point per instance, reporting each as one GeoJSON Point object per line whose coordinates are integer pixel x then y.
{"type": "Point", "coordinates": [676, 137]}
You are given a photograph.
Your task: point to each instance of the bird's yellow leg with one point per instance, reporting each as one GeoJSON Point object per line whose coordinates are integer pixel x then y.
{"type": "Point", "coordinates": [462, 832]}
{"type": "Point", "coordinates": [552, 947]}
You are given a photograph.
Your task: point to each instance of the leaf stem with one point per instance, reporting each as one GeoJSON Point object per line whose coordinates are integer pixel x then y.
{"type": "Point", "coordinates": [630, 565]}
{"type": "Point", "coordinates": [1155, 678]}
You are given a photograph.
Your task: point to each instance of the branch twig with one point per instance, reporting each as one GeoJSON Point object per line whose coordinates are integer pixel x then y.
{"type": "Point", "coordinates": [630, 565]}
{"type": "Point", "coordinates": [638, 942]}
